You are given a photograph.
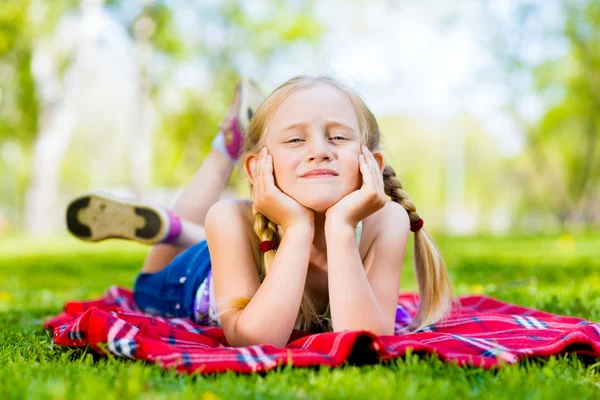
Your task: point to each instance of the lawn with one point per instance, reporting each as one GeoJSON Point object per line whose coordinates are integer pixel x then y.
{"type": "Point", "coordinates": [556, 274]}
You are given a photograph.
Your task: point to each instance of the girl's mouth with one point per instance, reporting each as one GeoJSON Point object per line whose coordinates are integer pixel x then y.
{"type": "Point", "coordinates": [319, 176]}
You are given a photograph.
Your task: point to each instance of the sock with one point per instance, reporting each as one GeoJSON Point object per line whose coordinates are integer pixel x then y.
{"type": "Point", "coordinates": [219, 144]}
{"type": "Point", "coordinates": [174, 227]}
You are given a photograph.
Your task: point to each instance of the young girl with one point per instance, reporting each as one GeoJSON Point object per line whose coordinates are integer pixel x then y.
{"type": "Point", "coordinates": [318, 247]}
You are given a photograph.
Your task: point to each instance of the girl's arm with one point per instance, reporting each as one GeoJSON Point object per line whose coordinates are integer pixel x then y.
{"type": "Point", "coordinates": [270, 315]}
{"type": "Point", "coordinates": [364, 297]}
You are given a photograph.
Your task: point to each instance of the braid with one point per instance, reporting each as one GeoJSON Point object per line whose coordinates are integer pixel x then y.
{"type": "Point", "coordinates": [435, 290]}
{"type": "Point", "coordinates": [393, 188]}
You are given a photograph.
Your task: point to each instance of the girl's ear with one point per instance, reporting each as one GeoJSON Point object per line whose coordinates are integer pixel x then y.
{"type": "Point", "coordinates": [378, 155]}
{"type": "Point", "coordinates": [249, 164]}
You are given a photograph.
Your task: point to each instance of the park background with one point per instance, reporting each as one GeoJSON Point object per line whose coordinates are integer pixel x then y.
{"type": "Point", "coordinates": [489, 110]}
{"type": "Point", "coordinates": [490, 114]}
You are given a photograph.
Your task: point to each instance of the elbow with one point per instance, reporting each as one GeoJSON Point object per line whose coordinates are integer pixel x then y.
{"type": "Point", "coordinates": [388, 329]}
{"type": "Point", "coordinates": [244, 336]}
{"type": "Point", "coordinates": [375, 332]}
{"type": "Point", "coordinates": [246, 340]}
{"type": "Point", "coordinates": [379, 330]}
{"type": "Point", "coordinates": [388, 332]}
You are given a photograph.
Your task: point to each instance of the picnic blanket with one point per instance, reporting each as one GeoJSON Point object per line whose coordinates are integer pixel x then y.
{"type": "Point", "coordinates": [482, 332]}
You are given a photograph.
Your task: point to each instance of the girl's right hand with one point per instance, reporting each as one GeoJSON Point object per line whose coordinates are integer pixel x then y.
{"type": "Point", "coordinates": [268, 200]}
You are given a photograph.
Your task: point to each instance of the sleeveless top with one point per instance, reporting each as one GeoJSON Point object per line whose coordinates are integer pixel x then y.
{"type": "Point", "coordinates": [205, 309]}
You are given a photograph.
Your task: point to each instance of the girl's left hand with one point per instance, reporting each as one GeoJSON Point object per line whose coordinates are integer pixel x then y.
{"type": "Point", "coordinates": [371, 197]}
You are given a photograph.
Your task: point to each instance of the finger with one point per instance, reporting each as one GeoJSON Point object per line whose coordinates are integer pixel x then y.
{"type": "Point", "coordinates": [263, 160]}
{"type": "Point", "coordinates": [367, 157]}
{"type": "Point", "coordinates": [376, 175]}
{"type": "Point", "coordinates": [374, 166]}
{"type": "Point", "coordinates": [270, 179]}
{"type": "Point", "coordinates": [370, 158]}
{"type": "Point", "coordinates": [259, 172]}
{"type": "Point", "coordinates": [367, 176]}
{"type": "Point", "coordinates": [264, 170]}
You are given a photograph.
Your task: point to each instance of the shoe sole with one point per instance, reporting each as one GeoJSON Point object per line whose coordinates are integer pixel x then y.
{"type": "Point", "coordinates": [95, 217]}
{"type": "Point", "coordinates": [250, 99]}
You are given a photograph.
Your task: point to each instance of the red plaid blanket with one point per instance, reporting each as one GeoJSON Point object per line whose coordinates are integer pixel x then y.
{"type": "Point", "coordinates": [483, 332]}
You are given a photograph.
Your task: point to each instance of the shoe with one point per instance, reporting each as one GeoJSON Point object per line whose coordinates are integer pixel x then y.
{"type": "Point", "coordinates": [247, 100]}
{"type": "Point", "coordinates": [97, 216]}
{"type": "Point", "coordinates": [251, 98]}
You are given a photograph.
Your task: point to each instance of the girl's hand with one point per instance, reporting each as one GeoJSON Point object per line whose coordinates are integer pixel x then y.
{"type": "Point", "coordinates": [358, 205]}
{"type": "Point", "coordinates": [272, 202]}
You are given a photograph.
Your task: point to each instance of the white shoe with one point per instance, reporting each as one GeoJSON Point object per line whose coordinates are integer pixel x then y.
{"type": "Point", "coordinates": [97, 216]}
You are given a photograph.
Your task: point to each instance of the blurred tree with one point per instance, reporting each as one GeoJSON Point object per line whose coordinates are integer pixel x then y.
{"type": "Point", "coordinates": [570, 127]}
{"type": "Point", "coordinates": [219, 40]}
{"type": "Point", "coordinates": [418, 151]}
{"type": "Point", "coordinates": [21, 22]}
{"type": "Point", "coordinates": [552, 49]}
{"type": "Point", "coordinates": [227, 39]}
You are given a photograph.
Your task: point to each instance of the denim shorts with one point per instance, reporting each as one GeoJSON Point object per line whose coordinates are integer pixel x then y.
{"type": "Point", "coordinates": [171, 292]}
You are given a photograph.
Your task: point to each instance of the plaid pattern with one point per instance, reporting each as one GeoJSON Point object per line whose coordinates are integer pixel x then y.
{"type": "Point", "coordinates": [482, 332]}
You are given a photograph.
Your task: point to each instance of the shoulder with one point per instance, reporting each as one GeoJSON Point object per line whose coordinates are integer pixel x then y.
{"type": "Point", "coordinates": [391, 219]}
{"type": "Point", "coordinates": [385, 239]}
{"type": "Point", "coordinates": [231, 218]}
{"type": "Point", "coordinates": [395, 223]}
{"type": "Point", "coordinates": [387, 226]}
{"type": "Point", "coordinates": [396, 215]}
{"type": "Point", "coordinates": [230, 210]}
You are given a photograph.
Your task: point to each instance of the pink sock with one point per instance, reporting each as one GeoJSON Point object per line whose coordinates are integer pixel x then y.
{"type": "Point", "coordinates": [174, 227]}
{"type": "Point", "coordinates": [238, 140]}
{"type": "Point", "coordinates": [233, 149]}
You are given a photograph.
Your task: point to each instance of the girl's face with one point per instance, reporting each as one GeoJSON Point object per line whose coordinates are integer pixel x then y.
{"type": "Point", "coordinates": [315, 128]}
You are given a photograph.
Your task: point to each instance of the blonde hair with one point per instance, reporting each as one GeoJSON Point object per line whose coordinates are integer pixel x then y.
{"type": "Point", "coordinates": [435, 289]}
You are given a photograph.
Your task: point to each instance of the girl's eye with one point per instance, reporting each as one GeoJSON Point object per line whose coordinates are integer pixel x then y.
{"type": "Point", "coordinates": [335, 138]}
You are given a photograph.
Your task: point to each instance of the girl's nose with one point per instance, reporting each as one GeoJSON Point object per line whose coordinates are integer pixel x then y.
{"type": "Point", "coordinates": [318, 149]}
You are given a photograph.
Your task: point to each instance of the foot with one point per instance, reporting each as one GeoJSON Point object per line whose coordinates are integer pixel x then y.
{"type": "Point", "coordinates": [248, 98]}
{"type": "Point", "coordinates": [98, 216]}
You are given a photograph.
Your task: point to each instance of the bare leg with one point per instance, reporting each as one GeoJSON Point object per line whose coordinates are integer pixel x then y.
{"type": "Point", "coordinates": [191, 206]}
{"type": "Point", "coordinates": [208, 184]}
{"type": "Point", "coordinates": [191, 233]}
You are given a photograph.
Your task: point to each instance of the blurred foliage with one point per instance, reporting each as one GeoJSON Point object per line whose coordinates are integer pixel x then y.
{"type": "Point", "coordinates": [237, 37]}
{"type": "Point", "coordinates": [186, 135]}
{"type": "Point", "coordinates": [419, 152]}
{"type": "Point", "coordinates": [559, 169]}
{"type": "Point", "coordinates": [558, 174]}
{"type": "Point", "coordinates": [19, 108]}
{"type": "Point", "coordinates": [570, 128]}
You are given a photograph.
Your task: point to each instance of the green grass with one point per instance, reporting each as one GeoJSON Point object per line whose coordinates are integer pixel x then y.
{"type": "Point", "coordinates": [556, 274]}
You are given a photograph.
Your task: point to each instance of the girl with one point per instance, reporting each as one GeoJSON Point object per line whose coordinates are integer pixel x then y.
{"type": "Point", "coordinates": [332, 245]}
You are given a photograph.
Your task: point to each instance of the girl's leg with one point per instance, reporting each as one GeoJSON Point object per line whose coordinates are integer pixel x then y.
{"type": "Point", "coordinates": [210, 181]}
{"type": "Point", "coordinates": [96, 217]}
{"type": "Point", "coordinates": [191, 206]}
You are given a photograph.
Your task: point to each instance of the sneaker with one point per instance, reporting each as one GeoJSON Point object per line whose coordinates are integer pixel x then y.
{"type": "Point", "coordinates": [97, 216]}
{"type": "Point", "coordinates": [247, 100]}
